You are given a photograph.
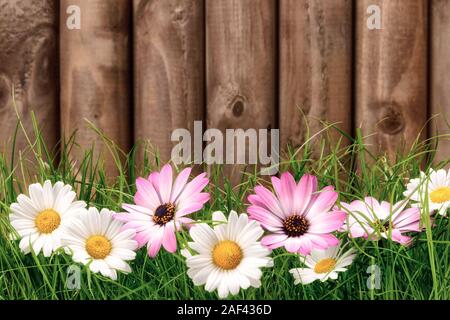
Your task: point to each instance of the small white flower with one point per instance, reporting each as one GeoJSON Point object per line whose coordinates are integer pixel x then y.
{"type": "Point", "coordinates": [323, 265]}
{"type": "Point", "coordinates": [230, 255]}
{"type": "Point", "coordinates": [40, 220]}
{"type": "Point", "coordinates": [97, 239]}
{"type": "Point", "coordinates": [435, 189]}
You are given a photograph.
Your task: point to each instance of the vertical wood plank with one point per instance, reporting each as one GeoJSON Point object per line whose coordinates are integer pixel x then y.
{"type": "Point", "coordinates": [391, 75]}
{"type": "Point", "coordinates": [95, 75]}
{"type": "Point", "coordinates": [169, 69]}
{"type": "Point", "coordinates": [315, 68]}
{"type": "Point", "coordinates": [28, 63]}
{"type": "Point", "coordinates": [241, 66]}
{"type": "Point", "coordinates": [440, 75]}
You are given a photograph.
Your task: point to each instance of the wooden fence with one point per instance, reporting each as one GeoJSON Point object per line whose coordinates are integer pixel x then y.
{"type": "Point", "coordinates": [139, 69]}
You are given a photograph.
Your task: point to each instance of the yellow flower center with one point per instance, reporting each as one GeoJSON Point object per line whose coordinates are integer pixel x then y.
{"type": "Point", "coordinates": [47, 221]}
{"type": "Point", "coordinates": [227, 255]}
{"type": "Point", "coordinates": [98, 247]}
{"type": "Point", "coordinates": [325, 265]}
{"type": "Point", "coordinates": [440, 195]}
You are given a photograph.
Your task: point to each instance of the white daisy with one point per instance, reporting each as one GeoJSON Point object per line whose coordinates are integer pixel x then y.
{"type": "Point", "coordinates": [41, 218]}
{"type": "Point", "coordinates": [434, 188]}
{"type": "Point", "coordinates": [97, 239]}
{"type": "Point", "coordinates": [323, 265]}
{"type": "Point", "coordinates": [230, 255]}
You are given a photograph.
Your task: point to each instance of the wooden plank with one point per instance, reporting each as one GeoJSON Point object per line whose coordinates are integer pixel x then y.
{"type": "Point", "coordinates": [28, 62]}
{"type": "Point", "coordinates": [440, 75]}
{"type": "Point", "coordinates": [391, 75]}
{"type": "Point", "coordinates": [169, 69]}
{"type": "Point", "coordinates": [95, 75]}
{"type": "Point", "coordinates": [315, 68]}
{"type": "Point", "coordinates": [241, 66]}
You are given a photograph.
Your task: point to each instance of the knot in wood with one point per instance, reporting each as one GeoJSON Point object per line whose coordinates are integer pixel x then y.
{"type": "Point", "coordinates": [391, 119]}
{"type": "Point", "coordinates": [238, 108]}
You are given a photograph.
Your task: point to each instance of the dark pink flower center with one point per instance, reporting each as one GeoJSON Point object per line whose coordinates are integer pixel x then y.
{"type": "Point", "coordinates": [382, 226]}
{"type": "Point", "coordinates": [295, 225]}
{"type": "Point", "coordinates": [164, 213]}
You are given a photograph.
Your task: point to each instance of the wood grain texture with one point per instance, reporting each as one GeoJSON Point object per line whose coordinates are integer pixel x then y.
{"type": "Point", "coordinates": [440, 75]}
{"type": "Point", "coordinates": [96, 75]}
{"type": "Point", "coordinates": [169, 69]}
{"type": "Point", "coordinates": [391, 75]}
{"type": "Point", "coordinates": [315, 68]}
{"type": "Point", "coordinates": [241, 65]}
{"type": "Point", "coordinates": [28, 63]}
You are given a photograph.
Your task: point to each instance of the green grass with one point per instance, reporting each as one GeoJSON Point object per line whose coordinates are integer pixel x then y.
{"type": "Point", "coordinates": [419, 272]}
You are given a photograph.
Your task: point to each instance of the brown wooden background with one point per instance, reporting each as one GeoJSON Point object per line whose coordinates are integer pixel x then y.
{"type": "Point", "coordinates": [139, 69]}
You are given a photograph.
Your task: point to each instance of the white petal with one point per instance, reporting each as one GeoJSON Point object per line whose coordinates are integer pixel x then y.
{"type": "Point", "coordinates": [48, 195]}
{"type": "Point", "coordinates": [218, 216]}
{"type": "Point", "coordinates": [303, 275]}
{"type": "Point", "coordinates": [117, 263]}
{"type": "Point", "coordinates": [36, 195]}
{"type": "Point", "coordinates": [27, 205]}
{"type": "Point", "coordinates": [123, 253]}
{"type": "Point", "coordinates": [48, 246]}
{"type": "Point", "coordinates": [38, 244]}
{"type": "Point", "coordinates": [213, 280]}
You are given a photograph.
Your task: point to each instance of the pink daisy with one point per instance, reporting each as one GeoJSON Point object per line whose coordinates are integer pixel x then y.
{"type": "Point", "coordinates": [297, 215]}
{"type": "Point", "coordinates": [161, 207]}
{"type": "Point", "coordinates": [370, 219]}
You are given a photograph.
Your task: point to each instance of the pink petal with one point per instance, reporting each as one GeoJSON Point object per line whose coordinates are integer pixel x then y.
{"type": "Point", "coordinates": [322, 241]}
{"type": "Point", "coordinates": [165, 183]}
{"type": "Point", "coordinates": [137, 209]}
{"type": "Point", "coordinates": [413, 226]}
{"type": "Point", "coordinates": [323, 203]}
{"type": "Point", "coordinates": [276, 184]}
{"type": "Point", "coordinates": [195, 186]}
{"type": "Point", "coordinates": [155, 243]}
{"type": "Point", "coordinates": [137, 226]}
{"type": "Point", "coordinates": [261, 212]}
{"type": "Point", "coordinates": [306, 246]}
{"type": "Point", "coordinates": [293, 244]}
{"type": "Point", "coordinates": [255, 200]}
{"type": "Point", "coordinates": [194, 207]}
{"type": "Point", "coordinates": [180, 183]}
{"type": "Point", "coordinates": [303, 193]}
{"type": "Point", "coordinates": [288, 187]}
{"type": "Point", "coordinates": [123, 217]}
{"type": "Point", "coordinates": [385, 206]}
{"type": "Point", "coordinates": [169, 239]}
{"type": "Point", "coordinates": [267, 219]}
{"type": "Point", "coordinates": [358, 208]}
{"type": "Point", "coordinates": [372, 207]}
{"type": "Point", "coordinates": [269, 200]}
{"type": "Point", "coordinates": [327, 222]}
{"type": "Point", "coordinates": [201, 198]}
{"type": "Point", "coordinates": [357, 231]}
{"type": "Point", "coordinates": [195, 203]}
{"type": "Point", "coordinates": [186, 222]}
{"type": "Point", "coordinates": [153, 178]}
{"type": "Point", "coordinates": [372, 203]}
{"type": "Point", "coordinates": [274, 240]}
{"type": "Point", "coordinates": [398, 237]}
{"type": "Point", "coordinates": [406, 217]}
{"type": "Point", "coordinates": [142, 238]}
{"type": "Point", "coordinates": [146, 194]}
